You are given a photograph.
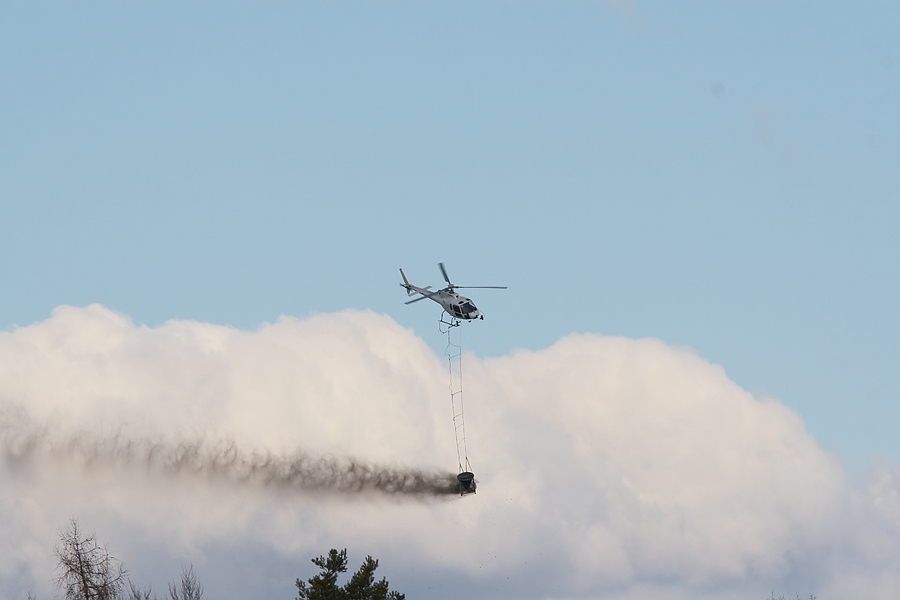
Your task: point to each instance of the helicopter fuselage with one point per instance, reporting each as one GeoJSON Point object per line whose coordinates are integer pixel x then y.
{"type": "Point", "coordinates": [458, 307]}
{"type": "Point", "coordinates": [455, 305]}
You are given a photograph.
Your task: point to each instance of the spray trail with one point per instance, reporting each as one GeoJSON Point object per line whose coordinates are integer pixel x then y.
{"type": "Point", "coordinates": [223, 460]}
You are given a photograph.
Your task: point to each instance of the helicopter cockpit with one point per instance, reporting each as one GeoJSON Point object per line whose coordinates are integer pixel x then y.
{"type": "Point", "coordinates": [465, 310]}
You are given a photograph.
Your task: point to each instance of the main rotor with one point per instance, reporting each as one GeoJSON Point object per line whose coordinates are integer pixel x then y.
{"type": "Point", "coordinates": [451, 286]}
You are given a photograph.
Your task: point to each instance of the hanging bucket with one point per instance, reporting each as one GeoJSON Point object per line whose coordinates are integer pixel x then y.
{"type": "Point", "coordinates": [466, 483]}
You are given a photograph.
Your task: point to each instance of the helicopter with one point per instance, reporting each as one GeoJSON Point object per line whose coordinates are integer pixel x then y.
{"type": "Point", "coordinates": [455, 305]}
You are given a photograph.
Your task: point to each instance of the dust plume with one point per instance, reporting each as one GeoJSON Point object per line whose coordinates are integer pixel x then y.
{"type": "Point", "coordinates": [222, 460]}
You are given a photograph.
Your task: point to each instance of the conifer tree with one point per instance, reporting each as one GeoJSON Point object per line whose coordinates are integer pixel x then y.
{"type": "Point", "coordinates": [362, 584]}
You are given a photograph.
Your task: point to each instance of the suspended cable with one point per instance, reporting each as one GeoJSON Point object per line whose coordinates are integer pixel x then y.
{"type": "Point", "coordinates": [453, 352]}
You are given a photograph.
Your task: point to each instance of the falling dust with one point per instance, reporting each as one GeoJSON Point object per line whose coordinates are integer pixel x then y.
{"type": "Point", "coordinates": [222, 459]}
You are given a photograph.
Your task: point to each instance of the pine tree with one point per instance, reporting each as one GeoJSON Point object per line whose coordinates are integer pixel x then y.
{"type": "Point", "coordinates": [362, 585]}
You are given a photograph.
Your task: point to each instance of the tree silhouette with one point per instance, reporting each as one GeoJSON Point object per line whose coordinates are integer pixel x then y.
{"type": "Point", "coordinates": [190, 588]}
{"type": "Point", "coordinates": [86, 569]}
{"type": "Point", "coordinates": [362, 585]}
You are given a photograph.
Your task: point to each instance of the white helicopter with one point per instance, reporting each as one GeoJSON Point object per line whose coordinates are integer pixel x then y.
{"type": "Point", "coordinates": [455, 305]}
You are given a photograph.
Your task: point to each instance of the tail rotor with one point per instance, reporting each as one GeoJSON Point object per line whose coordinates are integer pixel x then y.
{"type": "Point", "coordinates": [405, 284]}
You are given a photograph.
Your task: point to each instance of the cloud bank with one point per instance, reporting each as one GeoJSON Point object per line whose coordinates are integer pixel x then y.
{"type": "Point", "coordinates": [607, 467]}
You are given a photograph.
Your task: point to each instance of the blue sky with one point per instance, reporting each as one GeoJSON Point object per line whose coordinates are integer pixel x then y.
{"type": "Point", "coordinates": [717, 176]}
{"type": "Point", "coordinates": [722, 177]}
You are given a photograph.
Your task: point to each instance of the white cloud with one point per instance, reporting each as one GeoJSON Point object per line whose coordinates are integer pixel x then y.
{"type": "Point", "coordinates": [607, 466]}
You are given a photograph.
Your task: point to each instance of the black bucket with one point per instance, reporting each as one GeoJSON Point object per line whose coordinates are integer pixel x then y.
{"type": "Point", "coordinates": [466, 483]}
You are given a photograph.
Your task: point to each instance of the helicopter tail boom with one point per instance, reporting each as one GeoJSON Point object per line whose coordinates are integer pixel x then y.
{"type": "Point", "coordinates": [425, 292]}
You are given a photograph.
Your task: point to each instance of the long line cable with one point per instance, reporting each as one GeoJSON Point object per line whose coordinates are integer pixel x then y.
{"type": "Point", "coordinates": [454, 364]}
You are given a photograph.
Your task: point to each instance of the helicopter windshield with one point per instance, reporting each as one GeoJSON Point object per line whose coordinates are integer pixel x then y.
{"type": "Point", "coordinates": [468, 307]}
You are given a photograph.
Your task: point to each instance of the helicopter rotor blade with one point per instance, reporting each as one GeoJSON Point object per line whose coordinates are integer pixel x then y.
{"type": "Point", "coordinates": [444, 273]}
{"type": "Point", "coordinates": [482, 287]}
